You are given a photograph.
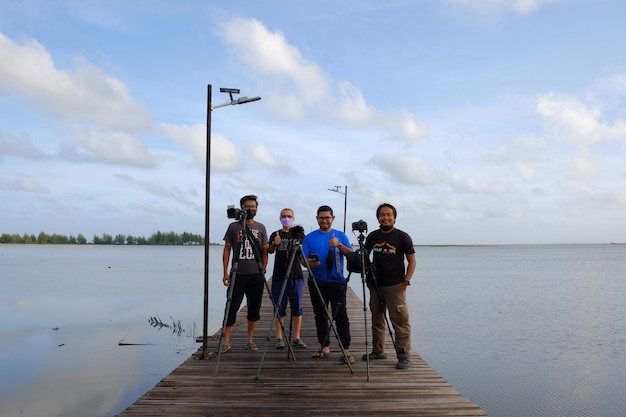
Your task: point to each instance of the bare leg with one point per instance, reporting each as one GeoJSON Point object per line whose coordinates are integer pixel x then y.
{"type": "Point", "coordinates": [227, 330]}
{"type": "Point", "coordinates": [297, 325]}
{"type": "Point", "coordinates": [279, 327]}
{"type": "Point", "coordinates": [251, 327]}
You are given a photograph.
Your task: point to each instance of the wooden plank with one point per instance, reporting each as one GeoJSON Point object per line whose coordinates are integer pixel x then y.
{"type": "Point", "coordinates": [304, 386]}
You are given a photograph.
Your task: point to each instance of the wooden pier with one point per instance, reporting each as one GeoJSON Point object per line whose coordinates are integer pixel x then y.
{"type": "Point", "coordinates": [278, 385]}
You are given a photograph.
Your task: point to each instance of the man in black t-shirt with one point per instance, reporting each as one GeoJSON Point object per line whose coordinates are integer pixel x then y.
{"type": "Point", "coordinates": [389, 247]}
{"type": "Point", "coordinates": [284, 242]}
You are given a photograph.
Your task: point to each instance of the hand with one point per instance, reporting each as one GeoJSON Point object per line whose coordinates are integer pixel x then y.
{"type": "Point", "coordinates": [226, 280]}
{"type": "Point", "coordinates": [314, 262]}
{"type": "Point", "coordinates": [333, 242]}
{"type": "Point", "coordinates": [276, 240]}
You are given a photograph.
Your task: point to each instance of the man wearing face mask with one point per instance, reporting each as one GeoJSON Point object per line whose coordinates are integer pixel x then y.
{"type": "Point", "coordinates": [284, 242]}
{"type": "Point", "coordinates": [389, 248]}
{"type": "Point", "coordinates": [251, 260]}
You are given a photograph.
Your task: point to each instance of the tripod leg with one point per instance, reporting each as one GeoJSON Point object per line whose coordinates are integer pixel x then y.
{"type": "Point", "coordinates": [367, 357]}
{"type": "Point", "coordinates": [363, 284]}
{"type": "Point", "coordinates": [229, 298]}
{"type": "Point", "coordinates": [329, 316]}
{"type": "Point", "coordinates": [276, 316]}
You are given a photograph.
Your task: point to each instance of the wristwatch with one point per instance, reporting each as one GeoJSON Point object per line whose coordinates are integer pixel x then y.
{"type": "Point", "coordinates": [407, 282]}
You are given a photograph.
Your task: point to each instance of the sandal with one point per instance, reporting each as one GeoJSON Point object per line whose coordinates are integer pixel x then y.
{"type": "Point", "coordinates": [348, 359]}
{"type": "Point", "coordinates": [320, 354]}
{"type": "Point", "coordinates": [224, 348]}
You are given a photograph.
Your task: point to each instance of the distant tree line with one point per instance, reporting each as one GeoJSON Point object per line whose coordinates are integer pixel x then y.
{"type": "Point", "coordinates": [158, 238]}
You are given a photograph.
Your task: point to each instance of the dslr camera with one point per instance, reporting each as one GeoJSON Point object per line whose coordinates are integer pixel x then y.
{"type": "Point", "coordinates": [296, 236]}
{"type": "Point", "coordinates": [234, 213]}
{"type": "Point", "coordinates": [360, 226]}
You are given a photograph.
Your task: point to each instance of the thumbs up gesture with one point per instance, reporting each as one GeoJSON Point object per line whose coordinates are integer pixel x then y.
{"type": "Point", "coordinates": [334, 242]}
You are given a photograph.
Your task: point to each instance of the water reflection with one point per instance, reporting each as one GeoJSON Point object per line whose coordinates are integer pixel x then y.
{"type": "Point", "coordinates": [95, 298]}
{"type": "Point", "coordinates": [82, 370]}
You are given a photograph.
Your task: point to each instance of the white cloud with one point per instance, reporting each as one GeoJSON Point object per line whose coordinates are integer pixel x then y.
{"type": "Point", "coordinates": [224, 154]}
{"type": "Point", "coordinates": [583, 194]}
{"type": "Point", "coordinates": [20, 147]}
{"type": "Point", "coordinates": [583, 165]}
{"type": "Point", "coordinates": [263, 156]}
{"type": "Point", "coordinates": [270, 53]}
{"type": "Point", "coordinates": [28, 73]}
{"type": "Point", "coordinates": [521, 153]}
{"type": "Point", "coordinates": [161, 190]}
{"type": "Point", "coordinates": [23, 183]}
{"type": "Point", "coordinates": [469, 184]}
{"type": "Point", "coordinates": [406, 169]}
{"type": "Point", "coordinates": [302, 91]}
{"type": "Point", "coordinates": [575, 123]}
{"type": "Point", "coordinates": [116, 147]}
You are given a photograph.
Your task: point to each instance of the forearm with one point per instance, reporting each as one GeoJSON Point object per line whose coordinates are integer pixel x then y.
{"type": "Point", "coordinates": [345, 249]}
{"type": "Point", "coordinates": [225, 259]}
{"type": "Point", "coordinates": [410, 269]}
{"type": "Point", "coordinates": [264, 256]}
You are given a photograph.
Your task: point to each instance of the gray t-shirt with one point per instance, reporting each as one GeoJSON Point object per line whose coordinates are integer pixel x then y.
{"type": "Point", "coordinates": [248, 264]}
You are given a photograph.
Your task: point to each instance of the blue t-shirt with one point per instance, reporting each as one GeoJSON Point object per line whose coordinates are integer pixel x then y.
{"type": "Point", "coordinates": [331, 259]}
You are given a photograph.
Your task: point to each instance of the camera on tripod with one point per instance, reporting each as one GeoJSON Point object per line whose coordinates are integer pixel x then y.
{"type": "Point", "coordinates": [234, 213]}
{"type": "Point", "coordinates": [360, 226]}
{"type": "Point", "coordinates": [296, 236]}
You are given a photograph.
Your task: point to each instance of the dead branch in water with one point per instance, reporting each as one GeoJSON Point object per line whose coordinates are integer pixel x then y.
{"type": "Point", "coordinates": [176, 326]}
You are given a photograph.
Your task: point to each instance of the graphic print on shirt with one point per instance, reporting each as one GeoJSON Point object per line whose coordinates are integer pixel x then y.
{"type": "Point", "coordinates": [245, 250]}
{"type": "Point", "coordinates": [384, 248]}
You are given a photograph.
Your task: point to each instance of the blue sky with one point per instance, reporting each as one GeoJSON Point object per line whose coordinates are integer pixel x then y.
{"type": "Point", "coordinates": [482, 121]}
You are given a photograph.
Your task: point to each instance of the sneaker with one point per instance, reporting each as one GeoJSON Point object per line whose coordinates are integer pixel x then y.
{"type": "Point", "coordinates": [224, 348]}
{"type": "Point", "coordinates": [403, 363]}
{"type": "Point", "coordinates": [299, 344]}
{"type": "Point", "coordinates": [374, 355]}
{"type": "Point", "coordinates": [252, 347]}
{"type": "Point", "coordinates": [280, 344]}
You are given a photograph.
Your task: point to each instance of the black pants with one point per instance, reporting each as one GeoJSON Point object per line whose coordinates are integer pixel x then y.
{"type": "Point", "coordinates": [252, 287]}
{"type": "Point", "coordinates": [335, 295]}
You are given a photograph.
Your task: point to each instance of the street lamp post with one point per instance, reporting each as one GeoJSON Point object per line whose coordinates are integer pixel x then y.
{"type": "Point", "coordinates": [337, 189]}
{"type": "Point", "coordinates": [210, 107]}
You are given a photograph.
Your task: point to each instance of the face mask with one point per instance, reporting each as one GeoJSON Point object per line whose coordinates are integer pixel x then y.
{"type": "Point", "coordinates": [386, 228]}
{"type": "Point", "coordinates": [250, 213]}
{"type": "Point", "coordinates": [286, 221]}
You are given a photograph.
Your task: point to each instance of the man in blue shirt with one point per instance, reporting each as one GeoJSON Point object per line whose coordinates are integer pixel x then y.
{"type": "Point", "coordinates": [325, 249]}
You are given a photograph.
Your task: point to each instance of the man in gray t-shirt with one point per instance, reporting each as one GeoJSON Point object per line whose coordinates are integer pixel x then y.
{"type": "Point", "coordinates": [250, 253]}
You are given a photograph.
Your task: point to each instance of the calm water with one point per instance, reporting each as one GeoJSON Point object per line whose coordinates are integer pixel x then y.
{"type": "Point", "coordinates": [521, 330]}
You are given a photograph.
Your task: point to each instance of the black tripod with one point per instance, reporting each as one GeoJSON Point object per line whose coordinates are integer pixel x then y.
{"type": "Point", "coordinates": [297, 253]}
{"type": "Point", "coordinates": [290, 276]}
{"type": "Point", "coordinates": [248, 240]}
{"type": "Point", "coordinates": [363, 263]}
{"type": "Point", "coordinates": [329, 316]}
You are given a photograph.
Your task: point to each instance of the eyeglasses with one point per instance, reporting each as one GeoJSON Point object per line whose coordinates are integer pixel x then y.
{"type": "Point", "coordinates": [324, 218]}
{"type": "Point", "coordinates": [286, 215]}
{"type": "Point", "coordinates": [248, 207]}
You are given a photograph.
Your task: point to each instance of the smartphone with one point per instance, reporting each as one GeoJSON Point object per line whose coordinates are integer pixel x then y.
{"type": "Point", "coordinates": [314, 257]}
